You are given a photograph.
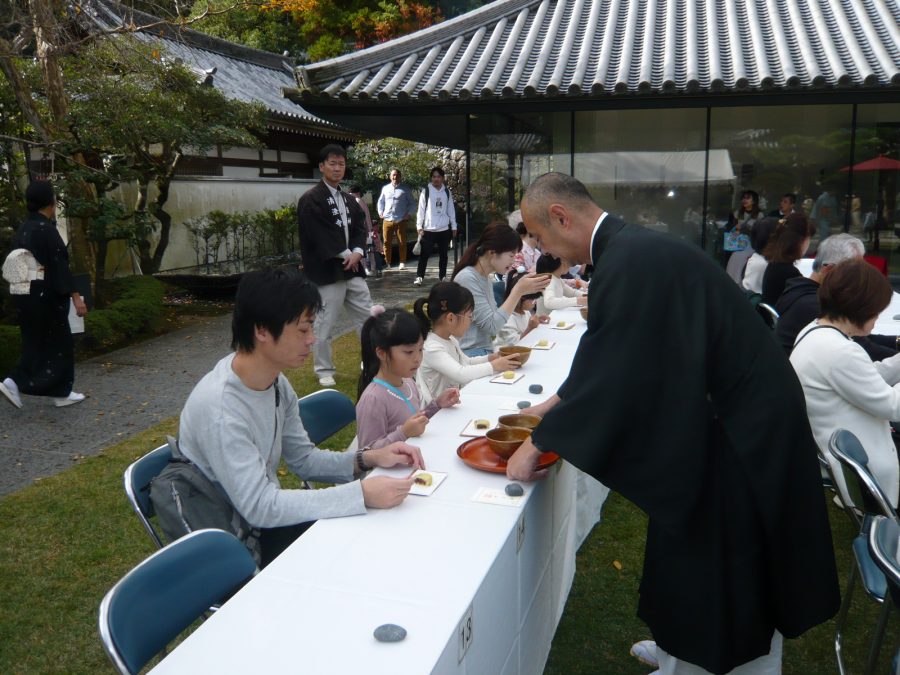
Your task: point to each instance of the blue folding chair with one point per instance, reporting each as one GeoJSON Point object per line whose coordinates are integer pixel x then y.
{"type": "Point", "coordinates": [167, 592]}
{"type": "Point", "coordinates": [884, 547]}
{"type": "Point", "coordinates": [867, 498]}
{"type": "Point", "coordinates": [325, 412]}
{"type": "Point", "coordinates": [137, 487]}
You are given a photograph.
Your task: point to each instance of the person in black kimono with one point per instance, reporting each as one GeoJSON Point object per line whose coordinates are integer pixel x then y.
{"type": "Point", "coordinates": [47, 364]}
{"type": "Point", "coordinates": [332, 230]}
{"type": "Point", "coordinates": [679, 399]}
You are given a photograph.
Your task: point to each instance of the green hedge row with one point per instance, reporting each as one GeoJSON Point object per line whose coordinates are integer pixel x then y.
{"type": "Point", "coordinates": [136, 309]}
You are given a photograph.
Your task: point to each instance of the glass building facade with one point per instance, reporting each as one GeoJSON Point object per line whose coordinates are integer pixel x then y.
{"type": "Point", "coordinates": [682, 170]}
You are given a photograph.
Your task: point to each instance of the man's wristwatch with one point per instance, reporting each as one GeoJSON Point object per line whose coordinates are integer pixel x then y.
{"type": "Point", "coordinates": [360, 462]}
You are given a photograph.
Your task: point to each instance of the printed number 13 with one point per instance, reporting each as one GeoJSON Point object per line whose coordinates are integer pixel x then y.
{"type": "Point", "coordinates": [465, 633]}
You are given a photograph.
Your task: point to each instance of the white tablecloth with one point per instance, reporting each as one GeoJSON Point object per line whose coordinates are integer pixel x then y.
{"type": "Point", "coordinates": [442, 567]}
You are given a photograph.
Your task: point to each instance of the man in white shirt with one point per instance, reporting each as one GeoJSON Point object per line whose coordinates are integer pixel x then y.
{"type": "Point", "coordinates": [395, 204]}
{"type": "Point", "coordinates": [435, 223]}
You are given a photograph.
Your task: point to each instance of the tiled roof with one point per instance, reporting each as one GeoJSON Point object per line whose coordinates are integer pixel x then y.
{"type": "Point", "coordinates": [531, 49]}
{"type": "Point", "coordinates": [239, 72]}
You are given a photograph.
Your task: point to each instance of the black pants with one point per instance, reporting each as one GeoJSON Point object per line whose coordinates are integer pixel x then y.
{"type": "Point", "coordinates": [429, 239]}
{"type": "Point", "coordinates": [274, 540]}
{"type": "Point", "coordinates": [47, 364]}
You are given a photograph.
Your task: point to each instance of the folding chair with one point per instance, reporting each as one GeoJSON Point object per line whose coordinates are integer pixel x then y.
{"type": "Point", "coordinates": [884, 547]}
{"type": "Point", "coordinates": [868, 498]}
{"type": "Point", "coordinates": [325, 412]}
{"type": "Point", "coordinates": [167, 592]}
{"type": "Point", "coordinates": [768, 314]}
{"type": "Point", "coordinates": [137, 487]}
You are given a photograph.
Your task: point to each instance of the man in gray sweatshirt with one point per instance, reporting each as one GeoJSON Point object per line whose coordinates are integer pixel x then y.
{"type": "Point", "coordinates": [243, 417]}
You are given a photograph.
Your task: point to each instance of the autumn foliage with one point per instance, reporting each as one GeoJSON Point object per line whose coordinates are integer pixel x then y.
{"type": "Point", "coordinates": [329, 27]}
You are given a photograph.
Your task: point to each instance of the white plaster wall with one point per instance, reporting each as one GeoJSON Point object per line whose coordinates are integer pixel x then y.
{"type": "Point", "coordinates": [192, 197]}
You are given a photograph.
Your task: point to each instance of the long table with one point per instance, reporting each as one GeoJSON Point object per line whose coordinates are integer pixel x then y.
{"type": "Point", "coordinates": [479, 587]}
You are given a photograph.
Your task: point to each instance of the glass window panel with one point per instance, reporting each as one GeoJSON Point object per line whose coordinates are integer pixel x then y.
{"type": "Point", "coordinates": [775, 150]}
{"type": "Point", "coordinates": [874, 214]}
{"type": "Point", "coordinates": [647, 166]}
{"type": "Point", "coordinates": [507, 153]}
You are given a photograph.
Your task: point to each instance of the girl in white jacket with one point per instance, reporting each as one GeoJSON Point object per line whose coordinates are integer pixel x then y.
{"type": "Point", "coordinates": [447, 313]}
{"type": "Point", "coordinates": [557, 295]}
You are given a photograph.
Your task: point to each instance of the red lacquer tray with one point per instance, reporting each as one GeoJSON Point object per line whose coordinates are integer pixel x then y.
{"type": "Point", "coordinates": [477, 453]}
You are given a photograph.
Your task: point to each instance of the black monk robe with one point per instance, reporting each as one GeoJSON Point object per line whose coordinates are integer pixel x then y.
{"type": "Point", "coordinates": [322, 237]}
{"type": "Point", "coordinates": [679, 399]}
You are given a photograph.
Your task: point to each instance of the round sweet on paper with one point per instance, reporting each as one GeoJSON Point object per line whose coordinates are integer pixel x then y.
{"type": "Point", "coordinates": [535, 388]}
{"type": "Point", "coordinates": [389, 632]}
{"type": "Point", "coordinates": [514, 490]}
{"type": "Point", "coordinates": [523, 404]}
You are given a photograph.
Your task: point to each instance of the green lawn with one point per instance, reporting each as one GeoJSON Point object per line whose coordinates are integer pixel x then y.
{"type": "Point", "coordinates": [66, 540]}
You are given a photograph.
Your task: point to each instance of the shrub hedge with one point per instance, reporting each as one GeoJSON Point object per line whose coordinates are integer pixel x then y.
{"type": "Point", "coordinates": [136, 309]}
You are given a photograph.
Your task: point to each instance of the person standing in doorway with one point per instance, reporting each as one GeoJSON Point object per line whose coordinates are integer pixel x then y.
{"type": "Point", "coordinates": [332, 230]}
{"type": "Point", "coordinates": [47, 364]}
{"type": "Point", "coordinates": [435, 224]}
{"type": "Point", "coordinates": [395, 205]}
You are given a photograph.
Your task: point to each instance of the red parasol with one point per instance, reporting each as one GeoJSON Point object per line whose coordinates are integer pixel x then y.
{"type": "Point", "coordinates": [880, 163]}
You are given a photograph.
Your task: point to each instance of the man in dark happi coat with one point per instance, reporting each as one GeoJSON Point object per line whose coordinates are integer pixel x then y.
{"type": "Point", "coordinates": [679, 399]}
{"type": "Point", "coordinates": [47, 364]}
{"type": "Point", "coordinates": [332, 229]}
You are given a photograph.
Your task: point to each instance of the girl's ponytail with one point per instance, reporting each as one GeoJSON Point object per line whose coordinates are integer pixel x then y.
{"type": "Point", "coordinates": [419, 310]}
{"type": "Point", "coordinates": [370, 362]}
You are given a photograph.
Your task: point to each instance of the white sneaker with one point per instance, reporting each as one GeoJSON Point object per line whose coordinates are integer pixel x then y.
{"type": "Point", "coordinates": [418, 281]}
{"type": "Point", "coordinates": [401, 266]}
{"type": "Point", "coordinates": [11, 391]}
{"type": "Point", "coordinates": [645, 652]}
{"type": "Point", "coordinates": [327, 381]}
{"type": "Point", "coordinates": [71, 399]}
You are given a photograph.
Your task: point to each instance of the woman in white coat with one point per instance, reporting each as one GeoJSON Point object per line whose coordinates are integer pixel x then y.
{"type": "Point", "coordinates": [844, 388]}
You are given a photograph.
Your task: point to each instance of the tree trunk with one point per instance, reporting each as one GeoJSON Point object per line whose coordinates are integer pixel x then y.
{"type": "Point", "coordinates": [100, 273]}
{"type": "Point", "coordinates": [144, 244]}
{"type": "Point", "coordinates": [46, 32]}
{"type": "Point", "coordinates": [22, 92]}
{"type": "Point", "coordinates": [163, 184]}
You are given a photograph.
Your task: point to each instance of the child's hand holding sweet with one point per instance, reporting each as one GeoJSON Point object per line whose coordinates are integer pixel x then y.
{"type": "Point", "coordinates": [448, 397]}
{"type": "Point", "coordinates": [415, 425]}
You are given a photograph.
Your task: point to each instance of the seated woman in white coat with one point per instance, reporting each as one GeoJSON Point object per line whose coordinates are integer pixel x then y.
{"type": "Point", "coordinates": [844, 388]}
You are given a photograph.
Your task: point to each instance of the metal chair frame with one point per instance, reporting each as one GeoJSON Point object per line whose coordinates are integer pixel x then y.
{"type": "Point", "coordinates": [860, 484]}
{"type": "Point", "coordinates": [167, 592]}
{"type": "Point", "coordinates": [769, 314]}
{"type": "Point", "coordinates": [884, 547]}
{"type": "Point", "coordinates": [137, 483]}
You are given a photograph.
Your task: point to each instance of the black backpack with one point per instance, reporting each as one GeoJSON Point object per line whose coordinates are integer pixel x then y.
{"type": "Point", "coordinates": [186, 500]}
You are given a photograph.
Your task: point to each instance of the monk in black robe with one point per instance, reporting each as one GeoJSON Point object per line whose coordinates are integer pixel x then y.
{"type": "Point", "coordinates": [679, 399]}
{"type": "Point", "coordinates": [47, 363]}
